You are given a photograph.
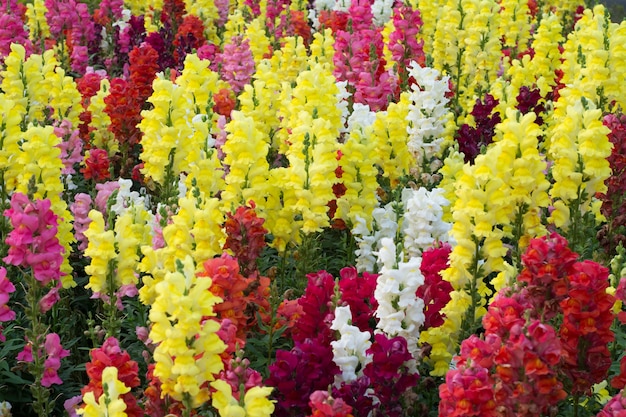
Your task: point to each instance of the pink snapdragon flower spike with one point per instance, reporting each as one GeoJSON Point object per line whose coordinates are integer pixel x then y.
{"type": "Point", "coordinates": [6, 288]}
{"type": "Point", "coordinates": [33, 242]}
{"type": "Point", "coordinates": [54, 352]}
{"type": "Point", "coordinates": [236, 63]}
{"type": "Point", "coordinates": [71, 146]}
{"type": "Point", "coordinates": [80, 209]}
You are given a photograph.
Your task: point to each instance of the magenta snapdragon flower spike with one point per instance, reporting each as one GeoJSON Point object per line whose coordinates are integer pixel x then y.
{"type": "Point", "coordinates": [52, 354]}
{"type": "Point", "coordinates": [33, 242]}
{"type": "Point", "coordinates": [13, 30]}
{"type": "Point", "coordinates": [6, 288]}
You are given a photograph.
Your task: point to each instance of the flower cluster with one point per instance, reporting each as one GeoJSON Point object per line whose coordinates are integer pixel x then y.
{"type": "Point", "coordinates": [613, 201]}
{"type": "Point", "coordinates": [111, 366]}
{"type": "Point", "coordinates": [54, 352]}
{"type": "Point", "coordinates": [33, 241]}
{"type": "Point", "coordinates": [6, 288]}
{"type": "Point", "coordinates": [472, 138]}
{"type": "Point", "coordinates": [529, 363]}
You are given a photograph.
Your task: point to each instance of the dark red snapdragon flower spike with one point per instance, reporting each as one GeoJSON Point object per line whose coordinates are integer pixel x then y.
{"type": "Point", "coordinates": [436, 291]}
{"type": "Point", "coordinates": [529, 100]}
{"type": "Point", "coordinates": [472, 139]}
{"type": "Point", "coordinates": [613, 232]}
{"type": "Point", "coordinates": [297, 373]}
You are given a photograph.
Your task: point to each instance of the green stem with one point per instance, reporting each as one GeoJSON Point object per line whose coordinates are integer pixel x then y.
{"type": "Point", "coordinates": [35, 335]}
{"type": "Point", "coordinates": [111, 322]}
{"type": "Point", "coordinates": [187, 405]}
{"type": "Point", "coordinates": [470, 316]}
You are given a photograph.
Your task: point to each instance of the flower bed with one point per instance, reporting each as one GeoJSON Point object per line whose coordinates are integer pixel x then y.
{"type": "Point", "coordinates": [281, 208]}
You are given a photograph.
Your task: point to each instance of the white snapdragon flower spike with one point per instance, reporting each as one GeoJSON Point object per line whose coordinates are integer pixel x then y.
{"type": "Point", "coordinates": [342, 5]}
{"type": "Point", "coordinates": [126, 198]}
{"type": "Point", "coordinates": [343, 97]}
{"type": "Point", "coordinates": [423, 223]}
{"type": "Point", "coordinates": [428, 113]}
{"type": "Point", "coordinates": [362, 117]}
{"type": "Point", "coordinates": [382, 10]}
{"type": "Point", "coordinates": [365, 258]}
{"type": "Point", "coordinates": [349, 351]}
{"type": "Point", "coordinates": [384, 224]}
{"type": "Point", "coordinates": [400, 312]}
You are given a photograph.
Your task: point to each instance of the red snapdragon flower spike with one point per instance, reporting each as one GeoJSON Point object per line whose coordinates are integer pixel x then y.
{"type": "Point", "coordinates": [245, 236]}
{"type": "Point", "coordinates": [225, 102]}
{"type": "Point", "coordinates": [229, 285]}
{"type": "Point", "coordinates": [467, 392]}
{"type": "Point", "coordinates": [358, 292]}
{"type": "Point", "coordinates": [143, 68]}
{"type": "Point", "coordinates": [97, 166]}
{"type": "Point", "coordinates": [316, 314]}
{"type": "Point", "coordinates": [110, 354]}
{"type": "Point", "coordinates": [586, 327]}
{"type": "Point", "coordinates": [297, 373]}
{"type": "Point", "coordinates": [189, 37]}
{"type": "Point", "coordinates": [435, 292]}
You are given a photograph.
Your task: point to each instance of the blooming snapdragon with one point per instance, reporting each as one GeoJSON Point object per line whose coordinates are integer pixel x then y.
{"type": "Point", "coordinates": [187, 345]}
{"type": "Point", "coordinates": [423, 223]}
{"type": "Point", "coordinates": [427, 115]}
{"type": "Point", "coordinates": [399, 312]}
{"type": "Point", "coordinates": [349, 349]}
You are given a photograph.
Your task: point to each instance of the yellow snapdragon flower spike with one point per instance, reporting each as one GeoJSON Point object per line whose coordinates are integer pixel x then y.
{"type": "Point", "coordinates": [359, 156]}
{"type": "Point", "coordinates": [390, 135]}
{"type": "Point", "coordinates": [481, 58]}
{"type": "Point", "coordinates": [188, 349]}
{"type": "Point", "coordinates": [578, 147]}
{"type": "Point", "coordinates": [259, 42]}
{"type": "Point", "coordinates": [36, 15]}
{"type": "Point", "coordinates": [500, 196]}
{"type": "Point", "coordinates": [235, 25]}
{"type": "Point", "coordinates": [447, 49]}
{"type": "Point", "coordinates": [102, 137]}
{"type": "Point", "coordinates": [163, 128]}
{"type": "Point", "coordinates": [109, 404]}
{"type": "Point", "coordinates": [314, 121]}
{"type": "Point", "coordinates": [514, 25]}
{"type": "Point", "coordinates": [246, 157]}
{"type": "Point", "coordinates": [177, 131]}
{"type": "Point", "coordinates": [322, 48]}
{"type": "Point", "coordinates": [10, 133]}
{"type": "Point", "coordinates": [101, 250]}
{"type": "Point", "coordinates": [259, 100]}
{"type": "Point", "coordinates": [617, 62]}
{"type": "Point", "coordinates": [132, 230]}
{"type": "Point", "coordinates": [254, 402]}
{"type": "Point", "coordinates": [281, 215]}
{"type": "Point", "coordinates": [430, 13]}
{"type": "Point", "coordinates": [291, 59]}
{"type": "Point", "coordinates": [195, 231]}
{"type": "Point", "coordinates": [37, 85]}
